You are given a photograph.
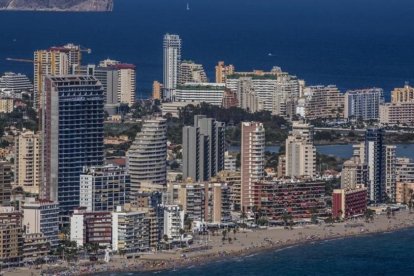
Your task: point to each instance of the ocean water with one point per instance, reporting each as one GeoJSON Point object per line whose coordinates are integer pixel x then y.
{"type": "Point", "coordinates": [351, 43]}
{"type": "Point", "coordinates": [378, 254]}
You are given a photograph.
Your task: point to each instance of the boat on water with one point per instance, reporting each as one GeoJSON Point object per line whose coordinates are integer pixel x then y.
{"type": "Point", "coordinates": [188, 6]}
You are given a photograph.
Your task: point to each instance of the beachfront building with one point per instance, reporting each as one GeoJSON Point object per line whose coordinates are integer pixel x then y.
{"type": "Point", "coordinates": [191, 72]}
{"type": "Point", "coordinates": [173, 222]}
{"type": "Point", "coordinates": [375, 159]}
{"type": "Point", "coordinates": [233, 180]}
{"type": "Point", "coordinates": [404, 192]}
{"type": "Point", "coordinates": [321, 102]}
{"type": "Point", "coordinates": [102, 188]}
{"type": "Point", "coordinates": [298, 198]}
{"type": "Point", "coordinates": [353, 173]}
{"type": "Point", "coordinates": [12, 83]}
{"type": "Point", "coordinates": [27, 161]}
{"type": "Point", "coordinates": [91, 227]}
{"type": "Point", "coordinates": [300, 155]}
{"type": "Point", "coordinates": [11, 237]}
{"type": "Point", "coordinates": [203, 148]}
{"type": "Point", "coordinates": [130, 231]}
{"type": "Point", "coordinates": [349, 203]}
{"type": "Point", "coordinates": [398, 113]}
{"type": "Point", "coordinates": [172, 61]}
{"type": "Point", "coordinates": [42, 216]}
{"type": "Point", "coordinates": [146, 158]}
{"type": "Point", "coordinates": [6, 178]}
{"type": "Point", "coordinates": [222, 71]}
{"type": "Point", "coordinates": [403, 94]}
{"type": "Point", "coordinates": [35, 246]}
{"type": "Point", "coordinates": [404, 170]}
{"type": "Point", "coordinates": [73, 136]}
{"type": "Point", "coordinates": [211, 93]}
{"type": "Point", "coordinates": [252, 160]}
{"type": "Point", "coordinates": [390, 172]}
{"type": "Point", "coordinates": [363, 104]}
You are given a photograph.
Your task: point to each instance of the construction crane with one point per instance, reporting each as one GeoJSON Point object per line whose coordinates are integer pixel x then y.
{"type": "Point", "coordinates": [20, 60]}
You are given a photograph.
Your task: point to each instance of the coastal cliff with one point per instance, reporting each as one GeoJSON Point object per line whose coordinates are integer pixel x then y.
{"type": "Point", "coordinates": [57, 5]}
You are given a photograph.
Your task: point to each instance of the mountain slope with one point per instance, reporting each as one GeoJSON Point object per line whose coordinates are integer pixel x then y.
{"type": "Point", "coordinates": [57, 5]}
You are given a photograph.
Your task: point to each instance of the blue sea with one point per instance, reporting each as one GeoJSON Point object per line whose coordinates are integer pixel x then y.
{"type": "Point", "coordinates": [351, 43]}
{"type": "Point", "coordinates": [378, 254]}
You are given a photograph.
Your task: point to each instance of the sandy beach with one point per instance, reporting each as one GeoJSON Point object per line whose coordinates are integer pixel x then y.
{"type": "Point", "coordinates": [244, 242]}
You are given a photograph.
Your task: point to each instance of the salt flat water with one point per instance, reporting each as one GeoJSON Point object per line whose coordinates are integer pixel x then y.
{"type": "Point", "coordinates": [351, 43]}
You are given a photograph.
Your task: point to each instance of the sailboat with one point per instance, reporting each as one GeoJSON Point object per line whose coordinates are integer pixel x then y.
{"type": "Point", "coordinates": [188, 6]}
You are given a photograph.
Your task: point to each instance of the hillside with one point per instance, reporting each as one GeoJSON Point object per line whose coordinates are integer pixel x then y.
{"type": "Point", "coordinates": [57, 5]}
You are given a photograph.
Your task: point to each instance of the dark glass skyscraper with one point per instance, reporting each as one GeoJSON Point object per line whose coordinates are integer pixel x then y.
{"type": "Point", "coordinates": [375, 159]}
{"type": "Point", "coordinates": [73, 134]}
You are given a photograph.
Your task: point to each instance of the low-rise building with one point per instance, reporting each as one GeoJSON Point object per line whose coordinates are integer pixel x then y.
{"type": "Point", "coordinates": [173, 108]}
{"type": "Point", "coordinates": [42, 216]}
{"type": "Point", "coordinates": [349, 203]}
{"type": "Point", "coordinates": [91, 227]}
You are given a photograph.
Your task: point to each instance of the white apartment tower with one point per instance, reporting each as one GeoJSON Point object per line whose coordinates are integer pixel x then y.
{"type": "Point", "coordinates": [147, 156]}
{"type": "Point", "coordinates": [172, 60]}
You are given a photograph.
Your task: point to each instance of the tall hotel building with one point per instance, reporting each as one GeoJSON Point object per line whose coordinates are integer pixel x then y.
{"type": "Point", "coordinates": [375, 157]}
{"type": "Point", "coordinates": [53, 61]}
{"type": "Point", "coordinates": [27, 162]}
{"type": "Point", "coordinates": [363, 103]}
{"type": "Point", "coordinates": [203, 149]}
{"type": "Point", "coordinates": [172, 61]}
{"type": "Point", "coordinates": [147, 157]}
{"type": "Point", "coordinates": [252, 160]}
{"type": "Point", "coordinates": [73, 133]}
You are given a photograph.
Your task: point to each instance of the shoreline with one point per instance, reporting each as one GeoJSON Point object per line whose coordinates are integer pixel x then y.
{"type": "Point", "coordinates": [247, 243]}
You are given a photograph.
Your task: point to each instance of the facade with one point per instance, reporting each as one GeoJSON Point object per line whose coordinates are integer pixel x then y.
{"type": "Point", "coordinates": [102, 188]}
{"type": "Point", "coordinates": [252, 160]}
{"type": "Point", "coordinates": [286, 95]}
{"type": "Point", "coordinates": [172, 61]}
{"type": "Point", "coordinates": [222, 71]}
{"type": "Point", "coordinates": [404, 170]}
{"type": "Point", "coordinates": [321, 102]}
{"type": "Point", "coordinates": [229, 99]}
{"type": "Point", "coordinates": [73, 135]}
{"type": "Point", "coordinates": [203, 148]}
{"type": "Point", "coordinates": [353, 173]}
{"type": "Point", "coordinates": [55, 61]}
{"type": "Point", "coordinates": [233, 180]}
{"type": "Point", "coordinates": [375, 159]}
{"type": "Point", "coordinates": [399, 113]}
{"type": "Point", "coordinates": [130, 231]}
{"type": "Point", "coordinates": [27, 161]}
{"type": "Point", "coordinates": [349, 203]}
{"type": "Point", "coordinates": [6, 178]}
{"type": "Point", "coordinates": [363, 103]}
{"type": "Point", "coordinates": [35, 247]}
{"type": "Point", "coordinates": [390, 172]}
{"type": "Point", "coordinates": [173, 222]}
{"type": "Point", "coordinates": [403, 95]}
{"type": "Point", "coordinates": [91, 228]}
{"type": "Point", "coordinates": [11, 237]}
{"type": "Point", "coordinates": [300, 151]}
{"type": "Point", "coordinates": [146, 158]}
{"type": "Point", "coordinates": [211, 93]}
{"type": "Point", "coordinates": [230, 162]}
{"type": "Point", "coordinates": [157, 88]}
{"type": "Point", "coordinates": [6, 105]}
{"type": "Point", "coordinates": [404, 192]}
{"type": "Point", "coordinates": [300, 199]}
{"type": "Point", "coordinates": [42, 216]}
{"type": "Point", "coordinates": [191, 72]}
{"type": "Point", "coordinates": [15, 83]}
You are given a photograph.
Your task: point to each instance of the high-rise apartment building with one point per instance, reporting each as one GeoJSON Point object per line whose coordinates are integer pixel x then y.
{"type": "Point", "coordinates": [11, 237]}
{"type": "Point", "coordinates": [375, 159]}
{"type": "Point", "coordinates": [222, 71]}
{"type": "Point", "coordinates": [211, 93]}
{"type": "Point", "coordinates": [27, 161]}
{"type": "Point", "coordinates": [203, 149]}
{"type": "Point", "coordinates": [402, 95]}
{"type": "Point", "coordinates": [397, 113]}
{"type": "Point", "coordinates": [252, 160]}
{"type": "Point", "coordinates": [172, 61]}
{"type": "Point", "coordinates": [191, 72]}
{"type": "Point", "coordinates": [404, 170]}
{"type": "Point", "coordinates": [147, 156]}
{"type": "Point", "coordinates": [321, 102]}
{"type": "Point", "coordinates": [73, 133]}
{"type": "Point", "coordinates": [6, 178]}
{"type": "Point", "coordinates": [354, 173]}
{"type": "Point", "coordinates": [157, 88]}
{"type": "Point", "coordinates": [300, 151]}
{"type": "Point", "coordinates": [390, 172]}
{"type": "Point", "coordinates": [15, 83]}
{"type": "Point", "coordinates": [102, 188]}
{"type": "Point", "coordinates": [363, 104]}
{"type": "Point", "coordinates": [53, 62]}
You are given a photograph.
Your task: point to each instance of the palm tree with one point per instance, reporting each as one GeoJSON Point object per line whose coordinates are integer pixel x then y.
{"type": "Point", "coordinates": [388, 212]}
{"type": "Point", "coordinates": [182, 231]}
{"type": "Point", "coordinates": [165, 238]}
{"type": "Point", "coordinates": [234, 232]}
